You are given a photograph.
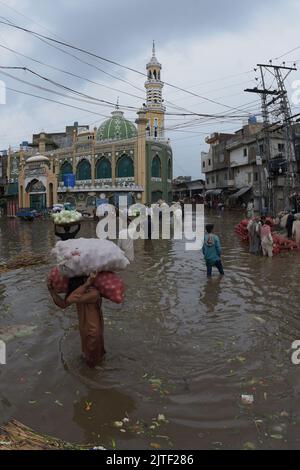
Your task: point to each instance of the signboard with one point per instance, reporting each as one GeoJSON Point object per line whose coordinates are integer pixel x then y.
{"type": "Point", "coordinates": [69, 180]}
{"type": "Point", "coordinates": [35, 172]}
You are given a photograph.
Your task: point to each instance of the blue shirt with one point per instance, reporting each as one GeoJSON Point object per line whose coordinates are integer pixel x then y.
{"type": "Point", "coordinates": [211, 248]}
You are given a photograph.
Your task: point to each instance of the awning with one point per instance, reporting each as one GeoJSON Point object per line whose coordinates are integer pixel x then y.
{"type": "Point", "coordinates": [214, 192]}
{"type": "Point", "coordinates": [241, 192]}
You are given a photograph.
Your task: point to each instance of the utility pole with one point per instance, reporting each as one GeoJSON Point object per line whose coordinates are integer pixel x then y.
{"type": "Point", "coordinates": [264, 93]}
{"type": "Point", "coordinates": [284, 118]}
{"type": "Point", "coordinates": [280, 73]}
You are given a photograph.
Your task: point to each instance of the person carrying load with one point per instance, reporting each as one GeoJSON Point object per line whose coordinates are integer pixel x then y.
{"type": "Point", "coordinates": [86, 297]}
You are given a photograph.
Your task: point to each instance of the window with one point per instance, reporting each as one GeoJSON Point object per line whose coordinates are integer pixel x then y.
{"type": "Point", "coordinates": [221, 158]}
{"type": "Point", "coordinates": [156, 167]}
{"type": "Point", "coordinates": [207, 179]}
{"type": "Point", "coordinates": [249, 177]}
{"type": "Point", "coordinates": [245, 152]}
{"type": "Point", "coordinates": [125, 168]}
{"type": "Point", "coordinates": [256, 177]}
{"type": "Point", "coordinates": [217, 178]}
{"type": "Point", "coordinates": [170, 170]}
{"type": "Point", "coordinates": [209, 162]}
{"type": "Point", "coordinates": [213, 179]}
{"type": "Point", "coordinates": [203, 164]}
{"type": "Point", "coordinates": [103, 169]}
{"type": "Point", "coordinates": [65, 169]}
{"type": "Point", "coordinates": [261, 149]}
{"type": "Point", "coordinates": [225, 177]}
{"type": "Point", "coordinates": [281, 148]}
{"type": "Point", "coordinates": [84, 171]}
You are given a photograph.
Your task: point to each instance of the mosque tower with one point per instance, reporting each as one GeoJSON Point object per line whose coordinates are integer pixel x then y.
{"type": "Point", "coordinates": [155, 109]}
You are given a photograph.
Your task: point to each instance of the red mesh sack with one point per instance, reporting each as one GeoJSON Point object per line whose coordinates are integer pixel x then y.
{"type": "Point", "coordinates": [110, 286]}
{"type": "Point", "coordinates": [59, 283]}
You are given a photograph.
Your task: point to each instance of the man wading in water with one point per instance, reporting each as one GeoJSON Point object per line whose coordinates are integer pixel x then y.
{"type": "Point", "coordinates": [212, 251]}
{"type": "Point", "coordinates": [88, 302]}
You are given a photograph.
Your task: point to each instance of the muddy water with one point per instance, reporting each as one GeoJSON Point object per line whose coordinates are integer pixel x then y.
{"type": "Point", "coordinates": [180, 346]}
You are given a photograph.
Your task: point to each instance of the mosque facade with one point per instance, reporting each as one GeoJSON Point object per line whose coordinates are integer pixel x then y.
{"type": "Point", "coordinates": [83, 166]}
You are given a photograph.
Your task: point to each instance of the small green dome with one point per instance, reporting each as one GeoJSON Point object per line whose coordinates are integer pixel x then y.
{"type": "Point", "coordinates": [116, 128]}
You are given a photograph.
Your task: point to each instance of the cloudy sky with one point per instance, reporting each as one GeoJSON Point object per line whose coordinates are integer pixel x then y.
{"type": "Point", "coordinates": [209, 48]}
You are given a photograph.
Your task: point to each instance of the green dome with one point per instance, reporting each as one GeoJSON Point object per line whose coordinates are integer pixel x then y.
{"type": "Point", "coordinates": [116, 128]}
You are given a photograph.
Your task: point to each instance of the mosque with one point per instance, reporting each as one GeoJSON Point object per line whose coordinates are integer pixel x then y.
{"type": "Point", "coordinates": [83, 166]}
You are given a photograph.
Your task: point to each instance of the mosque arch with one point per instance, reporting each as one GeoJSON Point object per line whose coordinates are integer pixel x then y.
{"type": "Point", "coordinates": [103, 169]}
{"type": "Point", "coordinates": [125, 167]}
{"type": "Point", "coordinates": [156, 167]}
{"type": "Point", "coordinates": [65, 169]}
{"type": "Point", "coordinates": [170, 171]}
{"type": "Point", "coordinates": [84, 170]}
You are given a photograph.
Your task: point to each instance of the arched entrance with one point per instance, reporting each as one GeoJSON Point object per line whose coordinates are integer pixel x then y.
{"type": "Point", "coordinates": [37, 195]}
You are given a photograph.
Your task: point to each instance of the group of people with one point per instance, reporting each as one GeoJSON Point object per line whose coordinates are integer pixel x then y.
{"type": "Point", "coordinates": [292, 225]}
{"type": "Point", "coordinates": [260, 236]}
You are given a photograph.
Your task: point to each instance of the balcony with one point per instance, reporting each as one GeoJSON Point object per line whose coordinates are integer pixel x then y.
{"type": "Point", "coordinates": [124, 180]}
{"type": "Point", "coordinates": [278, 166]}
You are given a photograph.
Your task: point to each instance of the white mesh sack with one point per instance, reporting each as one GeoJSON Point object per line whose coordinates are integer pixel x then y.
{"type": "Point", "coordinates": [82, 256]}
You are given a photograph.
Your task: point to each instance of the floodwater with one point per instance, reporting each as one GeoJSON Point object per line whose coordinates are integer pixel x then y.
{"type": "Point", "coordinates": [180, 346]}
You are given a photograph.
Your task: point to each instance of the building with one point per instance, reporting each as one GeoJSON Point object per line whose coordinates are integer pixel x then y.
{"type": "Point", "coordinates": [83, 166]}
{"type": "Point", "coordinates": [184, 187]}
{"type": "Point", "coordinates": [237, 168]}
{"type": "Point", "coordinates": [216, 165]}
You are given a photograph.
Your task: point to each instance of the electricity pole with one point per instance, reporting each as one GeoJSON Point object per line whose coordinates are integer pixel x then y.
{"type": "Point", "coordinates": [264, 93]}
{"type": "Point", "coordinates": [284, 118]}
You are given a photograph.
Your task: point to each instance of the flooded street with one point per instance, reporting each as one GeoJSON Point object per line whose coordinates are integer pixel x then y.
{"type": "Point", "coordinates": [180, 346]}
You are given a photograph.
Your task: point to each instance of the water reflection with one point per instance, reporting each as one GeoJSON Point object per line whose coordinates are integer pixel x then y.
{"type": "Point", "coordinates": [211, 294]}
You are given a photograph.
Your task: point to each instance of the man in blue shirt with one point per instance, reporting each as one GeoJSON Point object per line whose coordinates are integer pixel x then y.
{"type": "Point", "coordinates": [212, 251]}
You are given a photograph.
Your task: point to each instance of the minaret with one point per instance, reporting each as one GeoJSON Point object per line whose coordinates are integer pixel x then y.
{"type": "Point", "coordinates": [155, 110]}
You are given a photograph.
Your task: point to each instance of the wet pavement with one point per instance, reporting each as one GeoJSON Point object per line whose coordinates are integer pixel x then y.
{"type": "Point", "coordinates": [181, 346]}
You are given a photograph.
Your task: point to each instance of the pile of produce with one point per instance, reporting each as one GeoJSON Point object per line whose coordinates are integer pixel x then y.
{"type": "Point", "coordinates": [242, 231]}
{"type": "Point", "coordinates": [66, 217]}
{"type": "Point", "coordinates": [281, 243]}
{"type": "Point", "coordinates": [58, 282]}
{"type": "Point", "coordinates": [110, 286]}
{"type": "Point", "coordinates": [83, 256]}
